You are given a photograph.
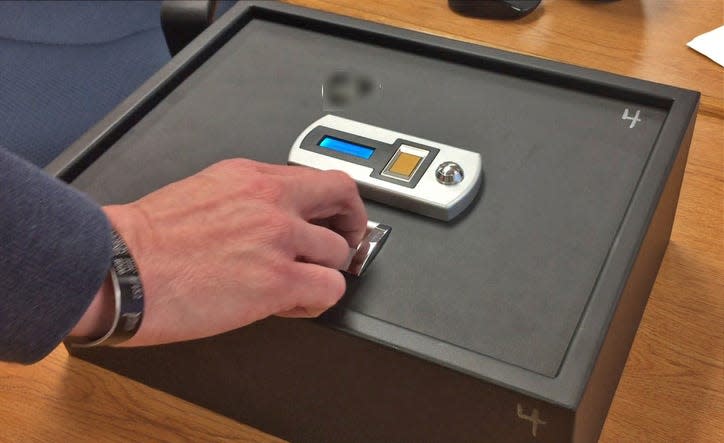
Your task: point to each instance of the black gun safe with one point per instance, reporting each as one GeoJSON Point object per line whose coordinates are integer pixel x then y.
{"type": "Point", "coordinates": [510, 323]}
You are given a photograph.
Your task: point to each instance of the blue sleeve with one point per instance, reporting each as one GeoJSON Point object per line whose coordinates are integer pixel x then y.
{"type": "Point", "coordinates": [55, 252]}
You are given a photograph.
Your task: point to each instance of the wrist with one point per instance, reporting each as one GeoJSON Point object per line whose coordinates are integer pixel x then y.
{"type": "Point", "coordinates": [128, 220]}
{"type": "Point", "coordinates": [116, 312]}
{"type": "Point", "coordinates": [98, 318]}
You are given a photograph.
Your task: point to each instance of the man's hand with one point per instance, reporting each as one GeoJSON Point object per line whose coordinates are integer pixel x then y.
{"type": "Point", "coordinates": [238, 242]}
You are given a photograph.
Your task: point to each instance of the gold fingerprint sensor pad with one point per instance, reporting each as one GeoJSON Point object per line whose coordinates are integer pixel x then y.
{"type": "Point", "coordinates": [405, 163]}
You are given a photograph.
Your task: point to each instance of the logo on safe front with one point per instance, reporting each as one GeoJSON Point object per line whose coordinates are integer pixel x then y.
{"type": "Point", "coordinates": [533, 418]}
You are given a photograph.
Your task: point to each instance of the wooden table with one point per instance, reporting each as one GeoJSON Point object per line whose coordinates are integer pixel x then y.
{"type": "Point", "coordinates": [672, 389]}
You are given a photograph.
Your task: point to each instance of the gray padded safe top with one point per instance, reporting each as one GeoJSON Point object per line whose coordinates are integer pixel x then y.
{"type": "Point", "coordinates": [510, 277]}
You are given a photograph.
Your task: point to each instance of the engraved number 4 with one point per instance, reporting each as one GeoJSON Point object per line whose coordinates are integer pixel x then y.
{"type": "Point", "coordinates": [533, 418]}
{"type": "Point", "coordinates": [635, 119]}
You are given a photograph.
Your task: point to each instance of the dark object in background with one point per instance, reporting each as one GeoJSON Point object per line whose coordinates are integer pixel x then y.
{"type": "Point", "coordinates": [497, 9]}
{"type": "Point", "coordinates": [183, 20]}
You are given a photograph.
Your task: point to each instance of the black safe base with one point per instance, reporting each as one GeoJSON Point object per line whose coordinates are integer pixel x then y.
{"type": "Point", "coordinates": [511, 323]}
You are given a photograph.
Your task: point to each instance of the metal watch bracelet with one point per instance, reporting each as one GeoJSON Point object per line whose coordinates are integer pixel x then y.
{"type": "Point", "coordinates": [128, 294]}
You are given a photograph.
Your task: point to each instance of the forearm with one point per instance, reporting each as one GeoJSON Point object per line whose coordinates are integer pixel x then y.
{"type": "Point", "coordinates": [55, 251]}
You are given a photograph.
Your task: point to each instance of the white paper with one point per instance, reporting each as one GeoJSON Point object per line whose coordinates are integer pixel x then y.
{"type": "Point", "coordinates": [711, 44]}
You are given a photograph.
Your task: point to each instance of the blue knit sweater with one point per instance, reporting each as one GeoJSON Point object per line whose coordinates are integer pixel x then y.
{"type": "Point", "coordinates": [55, 252]}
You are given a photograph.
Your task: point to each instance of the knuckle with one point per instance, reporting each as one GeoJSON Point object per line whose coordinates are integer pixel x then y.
{"type": "Point", "coordinates": [339, 247]}
{"type": "Point", "coordinates": [343, 180]}
{"type": "Point", "coordinates": [271, 191]}
{"type": "Point", "coordinates": [267, 278]}
{"type": "Point", "coordinates": [272, 275]}
{"type": "Point", "coordinates": [333, 285]}
{"type": "Point", "coordinates": [278, 277]}
{"type": "Point", "coordinates": [279, 227]}
{"type": "Point", "coordinates": [236, 164]}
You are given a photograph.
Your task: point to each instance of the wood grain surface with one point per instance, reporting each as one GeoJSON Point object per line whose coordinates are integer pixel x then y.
{"type": "Point", "coordinates": [672, 389]}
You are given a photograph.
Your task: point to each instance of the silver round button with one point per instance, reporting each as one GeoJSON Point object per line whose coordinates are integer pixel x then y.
{"type": "Point", "coordinates": [449, 173]}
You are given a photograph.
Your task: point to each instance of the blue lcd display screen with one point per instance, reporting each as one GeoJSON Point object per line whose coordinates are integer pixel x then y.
{"type": "Point", "coordinates": [346, 147]}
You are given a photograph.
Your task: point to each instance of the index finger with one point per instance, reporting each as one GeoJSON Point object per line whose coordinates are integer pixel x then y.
{"type": "Point", "coordinates": [332, 198]}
